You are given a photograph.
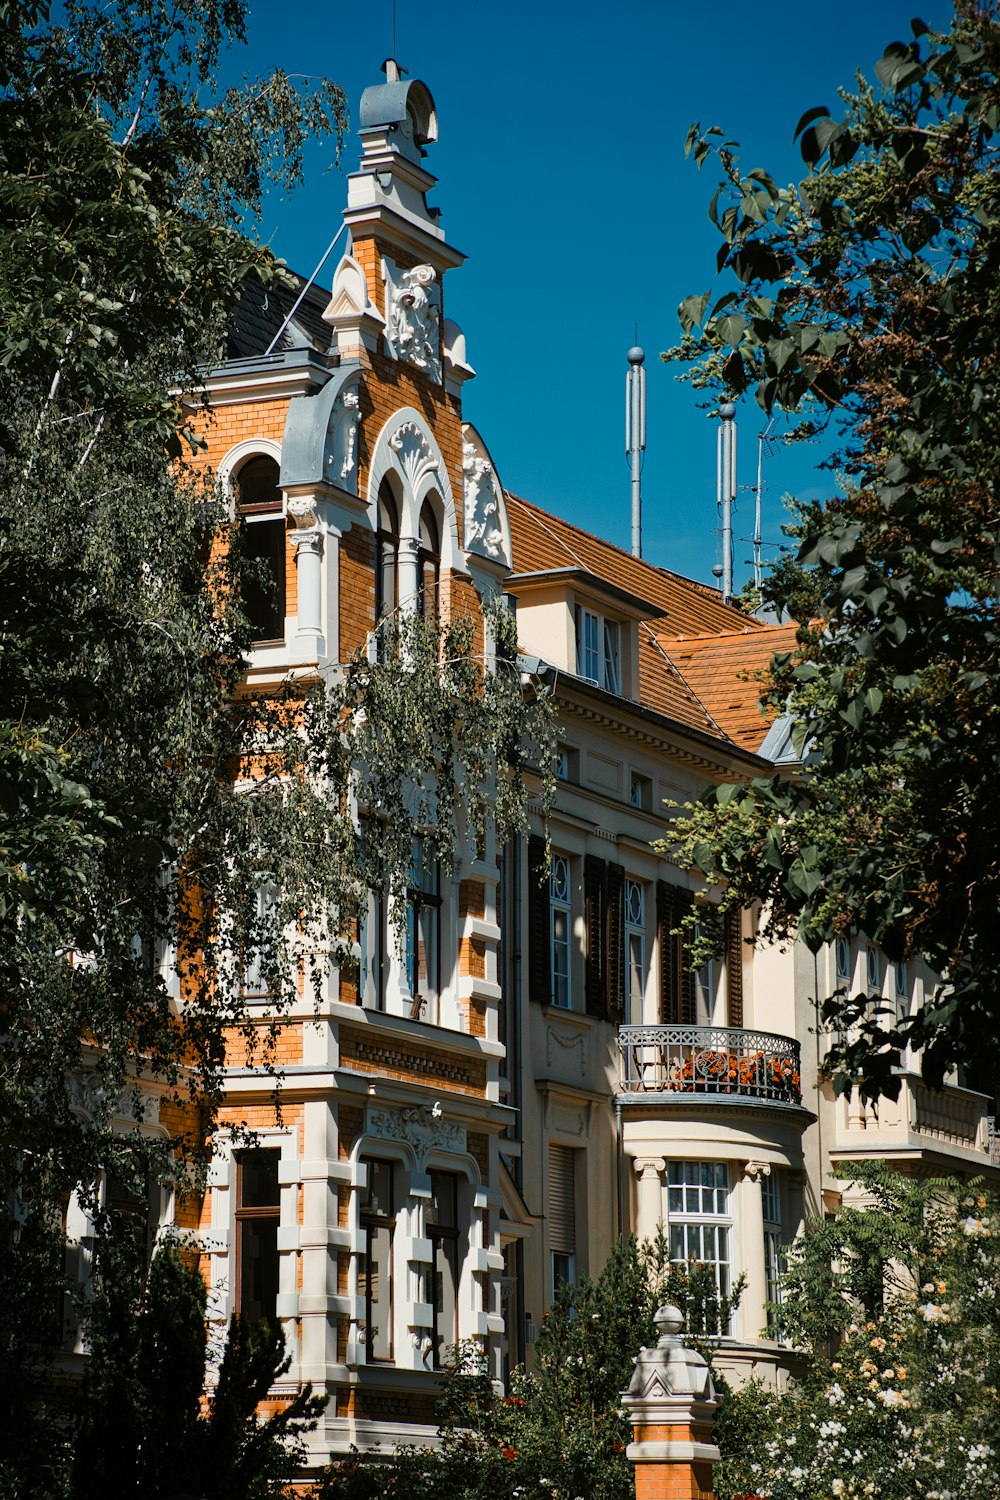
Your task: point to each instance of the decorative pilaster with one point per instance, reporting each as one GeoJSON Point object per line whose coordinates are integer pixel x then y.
{"type": "Point", "coordinates": [308, 544]}
{"type": "Point", "coordinates": [671, 1403]}
{"type": "Point", "coordinates": [753, 1303]}
{"type": "Point", "coordinates": [649, 1209]}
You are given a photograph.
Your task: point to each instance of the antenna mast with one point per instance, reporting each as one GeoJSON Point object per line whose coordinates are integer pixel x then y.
{"type": "Point", "coordinates": [726, 492]}
{"type": "Point", "coordinates": [762, 439]}
{"type": "Point", "coordinates": [635, 436]}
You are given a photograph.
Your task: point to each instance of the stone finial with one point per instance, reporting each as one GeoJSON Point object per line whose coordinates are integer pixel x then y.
{"type": "Point", "coordinates": [669, 1369]}
{"type": "Point", "coordinates": [671, 1403]}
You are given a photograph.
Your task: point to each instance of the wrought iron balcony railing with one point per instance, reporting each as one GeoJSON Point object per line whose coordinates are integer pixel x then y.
{"type": "Point", "coordinates": [720, 1061]}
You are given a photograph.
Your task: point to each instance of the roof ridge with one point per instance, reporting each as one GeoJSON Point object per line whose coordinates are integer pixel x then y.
{"type": "Point", "coordinates": [705, 589]}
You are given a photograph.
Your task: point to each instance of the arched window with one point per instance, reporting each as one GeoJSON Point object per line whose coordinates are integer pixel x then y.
{"type": "Point", "coordinates": [428, 564]}
{"type": "Point", "coordinates": [387, 553]}
{"type": "Point", "coordinates": [259, 507]}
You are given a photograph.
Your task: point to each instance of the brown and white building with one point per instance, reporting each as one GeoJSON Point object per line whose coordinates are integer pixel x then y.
{"type": "Point", "coordinates": [462, 1128]}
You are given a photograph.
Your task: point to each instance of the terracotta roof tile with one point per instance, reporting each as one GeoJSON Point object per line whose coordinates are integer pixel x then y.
{"type": "Point", "coordinates": [544, 541]}
{"type": "Point", "coordinates": [715, 668]}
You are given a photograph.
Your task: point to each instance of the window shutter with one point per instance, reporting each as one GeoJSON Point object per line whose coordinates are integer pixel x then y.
{"type": "Point", "coordinates": [562, 1199]}
{"type": "Point", "coordinates": [614, 952]}
{"type": "Point", "coordinates": [539, 977]}
{"type": "Point", "coordinates": [734, 967]}
{"type": "Point", "coordinates": [670, 1013]}
{"type": "Point", "coordinates": [594, 886]}
{"type": "Point", "coordinates": [677, 991]}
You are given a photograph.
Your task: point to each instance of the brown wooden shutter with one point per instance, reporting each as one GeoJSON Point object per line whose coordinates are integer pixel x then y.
{"type": "Point", "coordinates": [670, 979]}
{"type": "Point", "coordinates": [614, 949]}
{"type": "Point", "coordinates": [677, 990]}
{"type": "Point", "coordinates": [539, 922]}
{"type": "Point", "coordinates": [734, 967]}
{"type": "Point", "coordinates": [594, 886]}
{"type": "Point", "coordinates": [562, 1199]}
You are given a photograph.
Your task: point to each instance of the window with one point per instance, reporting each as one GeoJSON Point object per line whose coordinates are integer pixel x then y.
{"type": "Point", "coordinates": [567, 767]}
{"type": "Point", "coordinates": [265, 901]}
{"type": "Point", "coordinates": [257, 1215]}
{"type": "Point", "coordinates": [770, 1187]}
{"type": "Point", "coordinates": [640, 792]}
{"type": "Point", "coordinates": [423, 935]}
{"type": "Point", "coordinates": [598, 650]}
{"type": "Point", "coordinates": [562, 1216]}
{"type": "Point", "coordinates": [699, 1218]}
{"type": "Point", "coordinates": [259, 506]}
{"type": "Point", "coordinates": [842, 961]}
{"type": "Point", "coordinates": [635, 950]}
{"type": "Point", "coordinates": [129, 1219]}
{"type": "Point", "coordinates": [378, 1224]}
{"type": "Point", "coordinates": [560, 928]}
{"type": "Point", "coordinates": [901, 984]}
{"type": "Point", "coordinates": [704, 990]}
{"type": "Point", "coordinates": [387, 554]}
{"type": "Point", "coordinates": [442, 1231]}
{"type": "Point", "coordinates": [373, 942]}
{"type": "Point", "coordinates": [873, 970]}
{"type": "Point", "coordinates": [428, 565]}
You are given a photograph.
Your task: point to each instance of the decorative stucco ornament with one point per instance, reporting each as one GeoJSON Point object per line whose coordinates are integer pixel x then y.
{"type": "Point", "coordinates": [419, 1128]}
{"type": "Point", "coordinates": [483, 532]}
{"type": "Point", "coordinates": [416, 455]}
{"type": "Point", "coordinates": [413, 312]}
{"type": "Point", "coordinates": [347, 415]}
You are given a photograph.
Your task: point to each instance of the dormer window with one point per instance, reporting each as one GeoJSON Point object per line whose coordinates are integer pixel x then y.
{"type": "Point", "coordinates": [598, 649]}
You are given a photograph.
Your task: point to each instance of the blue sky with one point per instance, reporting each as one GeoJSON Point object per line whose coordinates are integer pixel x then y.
{"type": "Point", "coordinates": [562, 177]}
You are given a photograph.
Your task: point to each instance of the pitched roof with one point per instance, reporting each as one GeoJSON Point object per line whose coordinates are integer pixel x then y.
{"type": "Point", "coordinates": [720, 670]}
{"type": "Point", "coordinates": [260, 311]}
{"type": "Point", "coordinates": [697, 656]}
{"type": "Point", "coordinates": [542, 541]}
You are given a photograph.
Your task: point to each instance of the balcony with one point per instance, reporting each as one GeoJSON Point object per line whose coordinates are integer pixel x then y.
{"type": "Point", "coordinates": [717, 1062]}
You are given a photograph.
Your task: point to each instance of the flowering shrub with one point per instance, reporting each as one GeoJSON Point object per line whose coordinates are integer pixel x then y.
{"type": "Point", "coordinates": [897, 1307]}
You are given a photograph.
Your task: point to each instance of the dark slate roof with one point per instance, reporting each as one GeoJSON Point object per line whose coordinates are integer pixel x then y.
{"type": "Point", "coordinates": [260, 312]}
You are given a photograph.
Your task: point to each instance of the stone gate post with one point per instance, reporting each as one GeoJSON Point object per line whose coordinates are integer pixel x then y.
{"type": "Point", "coordinates": [671, 1403]}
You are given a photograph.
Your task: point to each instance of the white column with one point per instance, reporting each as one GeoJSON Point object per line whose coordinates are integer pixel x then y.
{"type": "Point", "coordinates": [308, 543]}
{"type": "Point", "coordinates": [408, 579]}
{"type": "Point", "coordinates": [753, 1312]}
{"type": "Point", "coordinates": [649, 1209]}
{"type": "Point", "coordinates": [308, 569]}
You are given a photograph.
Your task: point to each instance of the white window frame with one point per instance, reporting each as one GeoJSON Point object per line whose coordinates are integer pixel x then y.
{"type": "Point", "coordinates": [561, 944]}
{"type": "Point", "coordinates": [598, 649]}
{"type": "Point", "coordinates": [634, 903]}
{"type": "Point", "coordinates": [774, 1239]}
{"type": "Point", "coordinates": [700, 1211]}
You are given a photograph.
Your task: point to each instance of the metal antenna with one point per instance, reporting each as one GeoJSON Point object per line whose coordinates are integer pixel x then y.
{"type": "Point", "coordinates": [726, 491]}
{"type": "Point", "coordinates": [635, 436]}
{"type": "Point", "coordinates": [762, 439]}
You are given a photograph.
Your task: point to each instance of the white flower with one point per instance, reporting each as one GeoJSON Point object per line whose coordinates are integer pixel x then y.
{"type": "Point", "coordinates": [932, 1313]}
{"type": "Point", "coordinates": [837, 1487]}
{"type": "Point", "coordinates": [890, 1398]}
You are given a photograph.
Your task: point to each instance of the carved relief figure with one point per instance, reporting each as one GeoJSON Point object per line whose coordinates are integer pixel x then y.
{"type": "Point", "coordinates": [414, 319]}
{"type": "Point", "coordinates": [482, 510]}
